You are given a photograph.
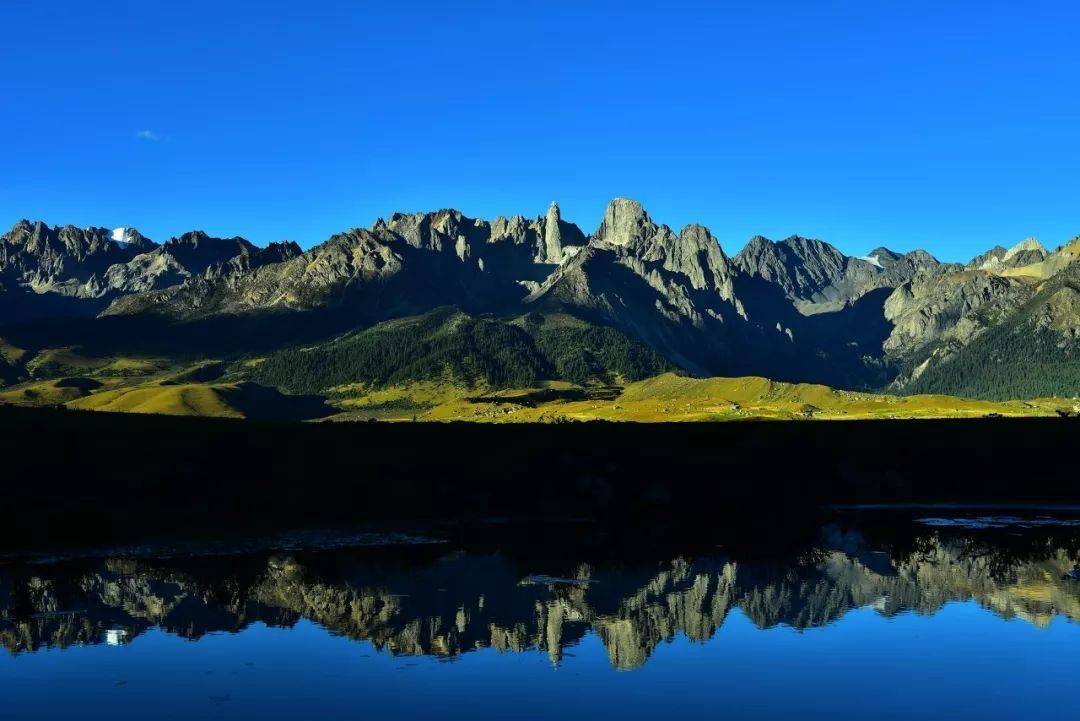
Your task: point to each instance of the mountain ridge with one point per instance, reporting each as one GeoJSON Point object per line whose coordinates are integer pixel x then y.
{"type": "Point", "coordinates": [796, 309]}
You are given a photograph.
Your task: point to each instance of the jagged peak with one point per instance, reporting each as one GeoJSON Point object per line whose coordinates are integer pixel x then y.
{"type": "Point", "coordinates": [887, 255]}
{"type": "Point", "coordinates": [131, 238]}
{"type": "Point", "coordinates": [624, 223]}
{"type": "Point", "coordinates": [433, 216]}
{"type": "Point", "coordinates": [757, 247]}
{"type": "Point", "coordinates": [1029, 243]}
{"type": "Point", "coordinates": [444, 221]}
{"type": "Point", "coordinates": [696, 230]}
{"type": "Point", "coordinates": [287, 246]}
{"type": "Point", "coordinates": [623, 204]}
{"type": "Point", "coordinates": [883, 253]}
{"type": "Point", "coordinates": [25, 231]}
{"type": "Point", "coordinates": [699, 237]}
{"type": "Point", "coordinates": [803, 246]}
{"type": "Point", "coordinates": [796, 238]}
{"type": "Point", "coordinates": [921, 255]}
{"type": "Point", "coordinates": [197, 237]}
{"type": "Point", "coordinates": [516, 219]}
{"type": "Point", "coordinates": [191, 236]}
{"type": "Point", "coordinates": [987, 258]}
{"type": "Point", "coordinates": [24, 228]}
{"type": "Point", "coordinates": [760, 242]}
{"type": "Point", "coordinates": [444, 214]}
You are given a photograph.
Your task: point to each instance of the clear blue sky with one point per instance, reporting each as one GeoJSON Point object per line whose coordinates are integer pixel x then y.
{"type": "Point", "coordinates": [951, 126]}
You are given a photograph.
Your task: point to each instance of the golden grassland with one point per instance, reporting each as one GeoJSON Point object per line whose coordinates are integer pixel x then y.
{"type": "Point", "coordinates": [667, 397]}
{"type": "Point", "coordinates": [155, 385]}
{"type": "Point", "coordinates": [63, 358]}
{"type": "Point", "coordinates": [189, 399]}
{"type": "Point", "coordinates": [121, 384]}
{"type": "Point", "coordinates": [112, 394]}
{"type": "Point", "coordinates": [10, 353]}
{"type": "Point", "coordinates": [51, 392]}
{"type": "Point", "coordinates": [670, 397]}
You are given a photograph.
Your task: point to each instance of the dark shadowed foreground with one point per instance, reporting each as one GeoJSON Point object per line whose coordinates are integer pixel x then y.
{"type": "Point", "coordinates": [90, 477]}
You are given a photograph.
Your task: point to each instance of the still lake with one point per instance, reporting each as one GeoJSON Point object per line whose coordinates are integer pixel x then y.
{"type": "Point", "coordinates": [899, 618]}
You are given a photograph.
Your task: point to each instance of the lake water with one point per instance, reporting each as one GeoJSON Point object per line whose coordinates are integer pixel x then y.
{"type": "Point", "coordinates": [864, 618]}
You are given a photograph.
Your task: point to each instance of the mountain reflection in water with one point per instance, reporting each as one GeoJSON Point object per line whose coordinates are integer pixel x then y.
{"type": "Point", "coordinates": [443, 602]}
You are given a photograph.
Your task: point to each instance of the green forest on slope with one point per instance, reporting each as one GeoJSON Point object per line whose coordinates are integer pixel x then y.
{"type": "Point", "coordinates": [446, 344]}
{"type": "Point", "coordinates": [1033, 354]}
{"type": "Point", "coordinates": [1007, 363]}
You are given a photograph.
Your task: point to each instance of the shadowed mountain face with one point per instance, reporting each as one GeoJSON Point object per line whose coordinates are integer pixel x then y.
{"type": "Point", "coordinates": [797, 309]}
{"type": "Point", "coordinates": [433, 600]}
{"type": "Point", "coordinates": [59, 271]}
{"type": "Point", "coordinates": [818, 278]}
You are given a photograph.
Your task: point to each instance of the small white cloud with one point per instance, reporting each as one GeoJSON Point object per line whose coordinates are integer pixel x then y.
{"type": "Point", "coordinates": [147, 135]}
{"type": "Point", "coordinates": [119, 235]}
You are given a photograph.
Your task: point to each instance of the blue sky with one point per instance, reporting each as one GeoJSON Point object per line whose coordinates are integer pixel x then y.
{"type": "Point", "coordinates": [950, 126]}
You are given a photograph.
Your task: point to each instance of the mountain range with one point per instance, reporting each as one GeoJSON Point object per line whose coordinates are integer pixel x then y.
{"type": "Point", "coordinates": [515, 301]}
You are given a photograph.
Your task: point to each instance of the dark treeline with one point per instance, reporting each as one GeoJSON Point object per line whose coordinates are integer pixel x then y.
{"type": "Point", "coordinates": [95, 476]}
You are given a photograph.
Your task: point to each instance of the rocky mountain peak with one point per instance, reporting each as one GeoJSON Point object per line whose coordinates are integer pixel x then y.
{"type": "Point", "coordinates": [132, 238]}
{"type": "Point", "coordinates": [998, 259]}
{"type": "Point", "coordinates": [192, 238]}
{"type": "Point", "coordinates": [812, 247]}
{"type": "Point", "coordinates": [922, 257]}
{"type": "Point", "coordinates": [23, 231]}
{"type": "Point", "coordinates": [697, 235]}
{"type": "Point", "coordinates": [553, 240]}
{"type": "Point", "coordinates": [444, 230]}
{"type": "Point", "coordinates": [763, 257]}
{"type": "Point", "coordinates": [194, 252]}
{"type": "Point", "coordinates": [1030, 245]}
{"type": "Point", "coordinates": [625, 223]}
{"type": "Point", "coordinates": [818, 277]}
{"type": "Point", "coordinates": [22, 228]}
{"type": "Point", "coordinates": [884, 255]}
{"type": "Point", "coordinates": [51, 248]}
{"type": "Point", "coordinates": [988, 260]}
{"type": "Point", "coordinates": [284, 248]}
{"type": "Point", "coordinates": [754, 251]}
